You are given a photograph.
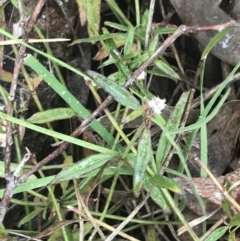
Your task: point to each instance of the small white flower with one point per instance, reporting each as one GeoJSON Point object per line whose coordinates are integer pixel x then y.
{"type": "Point", "coordinates": [157, 105]}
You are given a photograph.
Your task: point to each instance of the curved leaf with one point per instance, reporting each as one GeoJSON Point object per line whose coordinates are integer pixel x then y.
{"type": "Point", "coordinates": [119, 93]}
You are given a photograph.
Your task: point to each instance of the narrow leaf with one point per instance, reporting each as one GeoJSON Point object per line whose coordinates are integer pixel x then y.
{"type": "Point", "coordinates": [132, 116]}
{"type": "Point", "coordinates": [214, 41]}
{"type": "Point", "coordinates": [51, 115]}
{"type": "Point", "coordinates": [53, 228]}
{"type": "Point", "coordinates": [95, 38]}
{"type": "Point", "coordinates": [167, 69]}
{"type": "Point", "coordinates": [82, 167]}
{"type": "Point", "coordinates": [93, 16]}
{"type": "Point", "coordinates": [29, 217]}
{"type": "Point", "coordinates": [165, 182]}
{"type": "Point", "coordinates": [144, 20]}
{"type": "Point", "coordinates": [143, 157]}
{"type": "Point", "coordinates": [56, 134]}
{"type": "Point", "coordinates": [129, 41]}
{"type": "Point", "coordinates": [119, 93]}
{"type": "Point", "coordinates": [236, 220]}
{"type": "Point", "coordinates": [153, 44]}
{"type": "Point", "coordinates": [173, 123]}
{"type": "Point", "coordinates": [116, 26]}
{"type": "Point", "coordinates": [216, 234]}
{"type": "Point", "coordinates": [156, 194]}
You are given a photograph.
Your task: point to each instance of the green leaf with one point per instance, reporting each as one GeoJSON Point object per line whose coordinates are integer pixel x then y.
{"type": "Point", "coordinates": [216, 234]}
{"type": "Point", "coordinates": [108, 62]}
{"type": "Point", "coordinates": [226, 206]}
{"type": "Point", "coordinates": [172, 123]}
{"type": "Point", "coordinates": [158, 72]}
{"type": "Point", "coordinates": [93, 16]}
{"type": "Point", "coordinates": [58, 135]}
{"type": "Point", "coordinates": [14, 3]}
{"type": "Point", "coordinates": [131, 56]}
{"type": "Point", "coordinates": [167, 69]}
{"type": "Point", "coordinates": [232, 236]}
{"type": "Point", "coordinates": [117, 26]}
{"type": "Point", "coordinates": [51, 115]}
{"type": "Point", "coordinates": [165, 182]}
{"type": "Point", "coordinates": [156, 194]}
{"type": "Point", "coordinates": [82, 167]}
{"type": "Point", "coordinates": [201, 121]}
{"type": "Point", "coordinates": [119, 93]}
{"type": "Point", "coordinates": [137, 62]}
{"type": "Point", "coordinates": [143, 157]}
{"type": "Point", "coordinates": [164, 30]}
{"type": "Point", "coordinates": [153, 44]}
{"type": "Point", "coordinates": [113, 43]}
{"type": "Point", "coordinates": [3, 231]}
{"type": "Point", "coordinates": [115, 9]}
{"type": "Point", "coordinates": [144, 19]}
{"type": "Point", "coordinates": [236, 220]}
{"type": "Point", "coordinates": [129, 41]}
{"type": "Point", "coordinates": [152, 234]}
{"type": "Point", "coordinates": [96, 38]}
{"type": "Point", "coordinates": [29, 217]}
{"type": "Point", "coordinates": [214, 41]}
{"type": "Point", "coordinates": [123, 70]}
{"type": "Point", "coordinates": [132, 116]}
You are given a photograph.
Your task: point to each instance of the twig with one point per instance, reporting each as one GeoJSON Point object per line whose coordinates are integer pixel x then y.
{"type": "Point", "coordinates": [128, 219]}
{"type": "Point", "coordinates": [26, 157]}
{"type": "Point", "coordinates": [44, 161]}
{"type": "Point", "coordinates": [149, 25]}
{"type": "Point", "coordinates": [87, 212]}
{"type": "Point", "coordinates": [11, 179]}
{"type": "Point", "coordinates": [11, 97]}
{"type": "Point", "coordinates": [104, 225]}
{"type": "Point", "coordinates": [34, 16]}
